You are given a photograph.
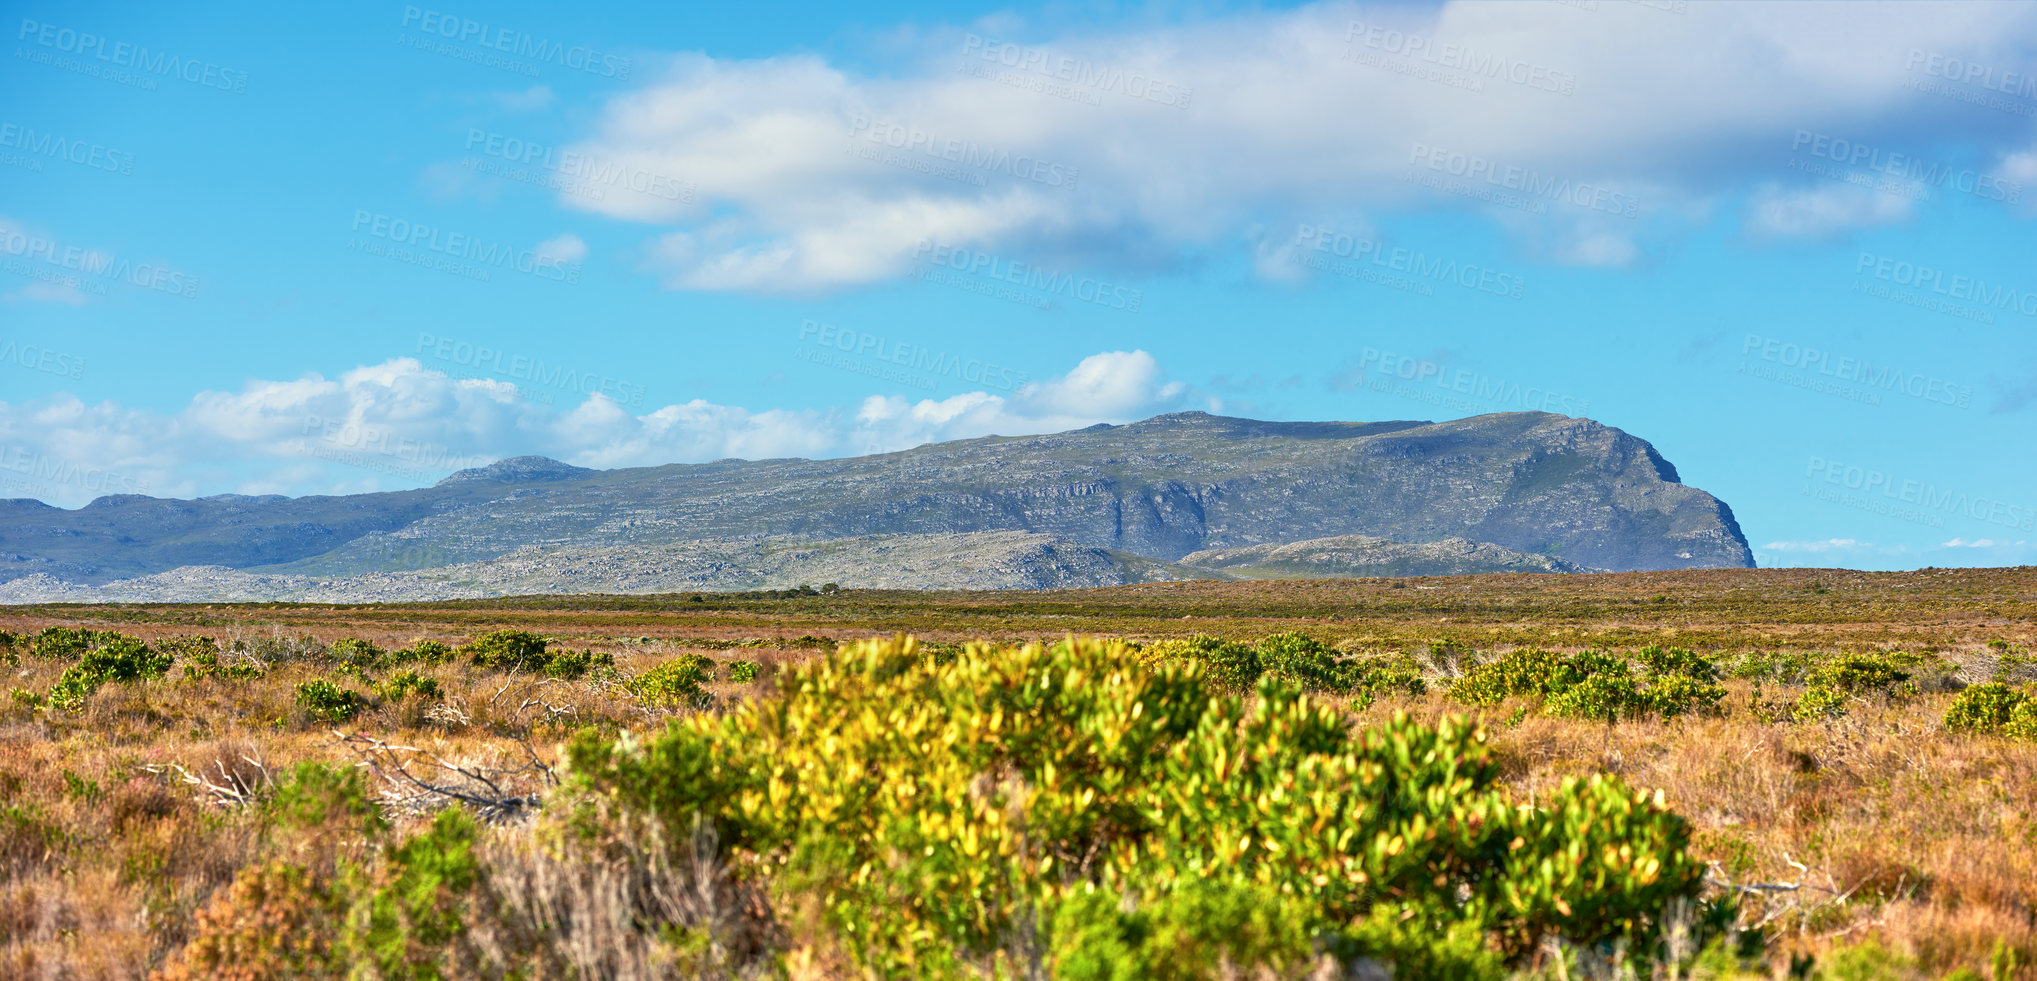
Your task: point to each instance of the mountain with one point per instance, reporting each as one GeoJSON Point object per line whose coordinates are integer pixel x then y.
{"type": "Point", "coordinates": [1357, 556]}
{"type": "Point", "coordinates": [1526, 491]}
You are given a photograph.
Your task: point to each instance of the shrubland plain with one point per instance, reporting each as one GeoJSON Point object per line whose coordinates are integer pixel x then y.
{"type": "Point", "coordinates": [1726, 773]}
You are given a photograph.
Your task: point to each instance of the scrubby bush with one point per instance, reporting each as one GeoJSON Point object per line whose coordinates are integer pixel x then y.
{"type": "Point", "coordinates": [355, 657]}
{"type": "Point", "coordinates": [1293, 658]}
{"type": "Point", "coordinates": [1597, 685]}
{"type": "Point", "coordinates": [116, 658]}
{"type": "Point", "coordinates": [675, 683]}
{"type": "Point", "coordinates": [72, 643]}
{"type": "Point", "coordinates": [506, 650]}
{"type": "Point", "coordinates": [327, 702]}
{"type": "Point", "coordinates": [1303, 661]}
{"type": "Point", "coordinates": [407, 684]}
{"type": "Point", "coordinates": [422, 652]}
{"type": "Point", "coordinates": [1994, 709]}
{"type": "Point", "coordinates": [1226, 665]}
{"type": "Point", "coordinates": [1847, 678]}
{"type": "Point", "coordinates": [517, 650]}
{"type": "Point", "coordinates": [206, 664]}
{"type": "Point", "coordinates": [933, 811]}
{"type": "Point", "coordinates": [742, 671]}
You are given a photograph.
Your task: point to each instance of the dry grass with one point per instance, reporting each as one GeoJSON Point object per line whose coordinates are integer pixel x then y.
{"type": "Point", "coordinates": [1896, 831]}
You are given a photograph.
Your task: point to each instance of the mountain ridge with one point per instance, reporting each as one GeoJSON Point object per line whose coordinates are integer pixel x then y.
{"type": "Point", "coordinates": [1156, 490]}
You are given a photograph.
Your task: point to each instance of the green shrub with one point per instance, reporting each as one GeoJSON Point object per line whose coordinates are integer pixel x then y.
{"type": "Point", "coordinates": [1227, 666]}
{"type": "Point", "coordinates": [675, 683]}
{"type": "Point", "coordinates": [743, 671]}
{"type": "Point", "coordinates": [1597, 685]}
{"type": "Point", "coordinates": [71, 643]}
{"type": "Point", "coordinates": [933, 810]}
{"type": "Point", "coordinates": [1994, 709]}
{"type": "Point", "coordinates": [506, 650]}
{"type": "Point", "coordinates": [517, 650]}
{"type": "Point", "coordinates": [356, 657]}
{"type": "Point", "coordinates": [118, 658]}
{"type": "Point", "coordinates": [568, 664]}
{"type": "Point", "coordinates": [405, 684]}
{"type": "Point", "coordinates": [422, 652]}
{"type": "Point", "coordinates": [409, 912]}
{"type": "Point", "coordinates": [328, 702]}
{"type": "Point", "coordinates": [201, 660]}
{"type": "Point", "coordinates": [1526, 673]}
{"type": "Point", "coordinates": [1846, 678]}
{"type": "Point", "coordinates": [320, 798]}
{"type": "Point", "coordinates": [1304, 661]}
{"type": "Point", "coordinates": [1203, 931]}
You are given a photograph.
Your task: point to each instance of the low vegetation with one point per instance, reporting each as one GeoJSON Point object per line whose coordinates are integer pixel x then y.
{"type": "Point", "coordinates": [1294, 803]}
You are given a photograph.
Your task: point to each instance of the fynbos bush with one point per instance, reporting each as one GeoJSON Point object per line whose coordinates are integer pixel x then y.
{"type": "Point", "coordinates": [1852, 678]}
{"type": "Point", "coordinates": [327, 702]}
{"type": "Point", "coordinates": [1994, 709]}
{"type": "Point", "coordinates": [934, 811]}
{"type": "Point", "coordinates": [1596, 685]}
{"type": "Point", "coordinates": [115, 657]}
{"type": "Point", "coordinates": [517, 650]}
{"type": "Point", "coordinates": [675, 683]}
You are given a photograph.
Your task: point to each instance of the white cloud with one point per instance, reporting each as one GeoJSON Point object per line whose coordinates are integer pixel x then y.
{"type": "Point", "coordinates": [402, 424]}
{"type": "Point", "coordinates": [1827, 545]}
{"type": "Point", "coordinates": [533, 99]}
{"type": "Point", "coordinates": [565, 249]}
{"type": "Point", "coordinates": [809, 175]}
{"type": "Point", "coordinates": [48, 292]}
{"type": "Point", "coordinates": [1819, 212]}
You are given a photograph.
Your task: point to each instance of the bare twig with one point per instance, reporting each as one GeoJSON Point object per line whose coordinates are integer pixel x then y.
{"type": "Point", "coordinates": [230, 790]}
{"type": "Point", "coordinates": [442, 782]}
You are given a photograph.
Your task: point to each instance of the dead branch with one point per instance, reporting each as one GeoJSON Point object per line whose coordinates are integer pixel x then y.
{"type": "Point", "coordinates": [419, 781]}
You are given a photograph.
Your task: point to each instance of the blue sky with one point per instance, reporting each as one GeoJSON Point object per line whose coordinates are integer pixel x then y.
{"type": "Point", "coordinates": [328, 250]}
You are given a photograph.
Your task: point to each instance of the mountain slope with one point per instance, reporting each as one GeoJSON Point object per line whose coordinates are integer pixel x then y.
{"type": "Point", "coordinates": [1534, 483]}
{"type": "Point", "coordinates": [1354, 556]}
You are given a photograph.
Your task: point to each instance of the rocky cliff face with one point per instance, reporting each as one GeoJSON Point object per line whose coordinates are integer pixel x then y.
{"type": "Point", "coordinates": [1106, 502]}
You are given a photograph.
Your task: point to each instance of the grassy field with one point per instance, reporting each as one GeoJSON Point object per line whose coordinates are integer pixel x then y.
{"type": "Point", "coordinates": [151, 824]}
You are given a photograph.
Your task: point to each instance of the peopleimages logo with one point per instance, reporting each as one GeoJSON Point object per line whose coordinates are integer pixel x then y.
{"type": "Point", "coordinates": [1459, 57]}
{"type": "Point", "coordinates": [1088, 289]}
{"type": "Point", "coordinates": [1408, 261]}
{"type": "Point", "coordinates": [97, 156]}
{"type": "Point", "coordinates": [1859, 371]}
{"type": "Point", "coordinates": [1907, 167]}
{"type": "Point", "coordinates": [1477, 386]}
{"type": "Point", "coordinates": [968, 153]}
{"type": "Point", "coordinates": [2022, 85]}
{"type": "Point", "coordinates": [1884, 493]}
{"type": "Point", "coordinates": [1967, 289]}
{"type": "Point", "coordinates": [159, 63]}
{"type": "Point", "coordinates": [578, 57]}
{"type": "Point", "coordinates": [483, 254]}
{"type": "Point", "coordinates": [578, 166]}
{"type": "Point", "coordinates": [39, 467]}
{"type": "Point", "coordinates": [1471, 167]}
{"type": "Point", "coordinates": [42, 359]}
{"type": "Point", "coordinates": [1076, 71]}
{"type": "Point", "coordinates": [92, 262]}
{"type": "Point", "coordinates": [522, 368]}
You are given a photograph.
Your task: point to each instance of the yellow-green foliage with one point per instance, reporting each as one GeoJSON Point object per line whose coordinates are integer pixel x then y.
{"type": "Point", "coordinates": [1854, 677]}
{"type": "Point", "coordinates": [518, 650]}
{"type": "Point", "coordinates": [938, 808]}
{"type": "Point", "coordinates": [1994, 709]}
{"type": "Point", "coordinates": [1596, 685]}
{"type": "Point", "coordinates": [1291, 657]}
{"type": "Point", "coordinates": [675, 683]}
